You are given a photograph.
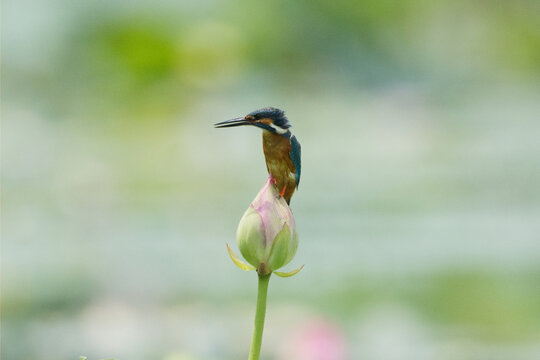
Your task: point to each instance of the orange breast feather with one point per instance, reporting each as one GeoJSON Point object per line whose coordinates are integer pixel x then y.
{"type": "Point", "coordinates": [277, 150]}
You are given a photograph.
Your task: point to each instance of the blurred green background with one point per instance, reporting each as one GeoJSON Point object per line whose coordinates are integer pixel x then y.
{"type": "Point", "coordinates": [418, 209]}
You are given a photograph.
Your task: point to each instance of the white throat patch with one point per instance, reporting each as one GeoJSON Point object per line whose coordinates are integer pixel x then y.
{"type": "Point", "coordinates": [278, 129]}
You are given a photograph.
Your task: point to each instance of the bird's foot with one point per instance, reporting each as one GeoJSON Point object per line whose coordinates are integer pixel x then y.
{"type": "Point", "coordinates": [282, 192]}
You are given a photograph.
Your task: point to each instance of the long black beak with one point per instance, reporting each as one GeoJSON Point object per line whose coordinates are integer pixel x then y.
{"type": "Point", "coordinates": [233, 122]}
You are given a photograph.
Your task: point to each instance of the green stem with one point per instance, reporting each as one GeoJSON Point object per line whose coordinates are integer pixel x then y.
{"type": "Point", "coordinates": [259, 317]}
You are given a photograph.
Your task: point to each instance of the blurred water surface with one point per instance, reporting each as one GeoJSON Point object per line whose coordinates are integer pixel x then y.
{"type": "Point", "coordinates": [418, 207]}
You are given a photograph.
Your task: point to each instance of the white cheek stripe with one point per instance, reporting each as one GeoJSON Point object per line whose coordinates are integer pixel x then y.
{"type": "Point", "coordinates": [278, 129]}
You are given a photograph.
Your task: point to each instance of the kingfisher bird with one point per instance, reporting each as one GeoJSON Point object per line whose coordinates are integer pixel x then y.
{"type": "Point", "coordinates": [280, 147]}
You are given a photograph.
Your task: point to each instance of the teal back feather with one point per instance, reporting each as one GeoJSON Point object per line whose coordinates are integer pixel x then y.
{"type": "Point", "coordinates": [296, 157]}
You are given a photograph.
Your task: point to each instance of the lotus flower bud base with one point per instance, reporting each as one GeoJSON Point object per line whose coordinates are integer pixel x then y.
{"type": "Point", "coordinates": [266, 234]}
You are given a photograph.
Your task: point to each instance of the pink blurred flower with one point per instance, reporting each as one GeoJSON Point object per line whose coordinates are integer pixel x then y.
{"type": "Point", "coordinates": [318, 340]}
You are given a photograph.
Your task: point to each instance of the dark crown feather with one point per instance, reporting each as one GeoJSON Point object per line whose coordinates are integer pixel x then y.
{"type": "Point", "coordinates": [277, 115]}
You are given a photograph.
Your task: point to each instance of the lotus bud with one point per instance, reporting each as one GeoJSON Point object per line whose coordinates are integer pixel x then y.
{"type": "Point", "coordinates": [266, 233]}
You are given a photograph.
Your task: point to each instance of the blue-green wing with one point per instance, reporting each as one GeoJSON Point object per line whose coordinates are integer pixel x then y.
{"type": "Point", "coordinates": [295, 157]}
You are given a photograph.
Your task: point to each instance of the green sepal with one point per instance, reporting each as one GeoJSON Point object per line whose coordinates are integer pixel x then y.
{"type": "Point", "coordinates": [242, 265]}
{"type": "Point", "coordinates": [280, 249]}
{"type": "Point", "coordinates": [289, 273]}
{"type": "Point", "coordinates": [250, 236]}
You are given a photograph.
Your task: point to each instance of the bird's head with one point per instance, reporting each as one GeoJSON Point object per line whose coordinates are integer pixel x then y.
{"type": "Point", "coordinates": [268, 118]}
